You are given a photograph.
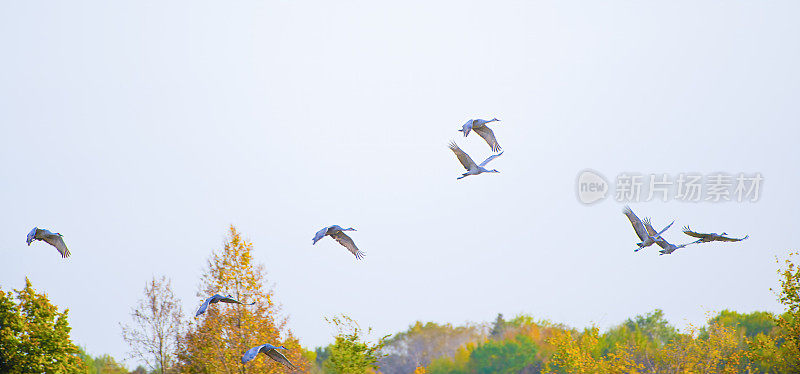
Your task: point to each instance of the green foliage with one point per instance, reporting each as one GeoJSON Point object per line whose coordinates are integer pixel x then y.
{"type": "Point", "coordinates": [504, 356]}
{"type": "Point", "coordinates": [104, 364]}
{"type": "Point", "coordinates": [498, 327]}
{"type": "Point", "coordinates": [322, 354]}
{"type": "Point", "coordinates": [316, 358]}
{"type": "Point", "coordinates": [516, 346]}
{"type": "Point", "coordinates": [747, 324]}
{"type": "Point", "coordinates": [349, 353]}
{"type": "Point", "coordinates": [34, 335]}
{"type": "Point", "coordinates": [139, 370]}
{"type": "Point", "coordinates": [643, 334]}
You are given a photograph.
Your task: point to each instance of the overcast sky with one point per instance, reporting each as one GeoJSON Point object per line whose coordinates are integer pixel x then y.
{"type": "Point", "coordinates": [141, 129]}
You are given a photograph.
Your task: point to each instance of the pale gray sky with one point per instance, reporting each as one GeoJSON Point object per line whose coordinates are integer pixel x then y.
{"type": "Point", "coordinates": [141, 129]}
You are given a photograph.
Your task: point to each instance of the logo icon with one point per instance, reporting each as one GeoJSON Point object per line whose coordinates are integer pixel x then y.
{"type": "Point", "coordinates": [592, 186]}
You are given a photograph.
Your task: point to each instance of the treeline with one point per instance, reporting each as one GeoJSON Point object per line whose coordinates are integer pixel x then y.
{"type": "Point", "coordinates": [34, 336]}
{"type": "Point", "coordinates": [731, 343]}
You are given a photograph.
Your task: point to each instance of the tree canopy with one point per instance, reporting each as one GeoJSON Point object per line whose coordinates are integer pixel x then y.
{"type": "Point", "coordinates": [34, 335]}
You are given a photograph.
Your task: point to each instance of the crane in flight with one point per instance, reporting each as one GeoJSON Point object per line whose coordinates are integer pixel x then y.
{"type": "Point", "coordinates": [53, 238]}
{"type": "Point", "coordinates": [270, 351]}
{"type": "Point", "coordinates": [337, 233]}
{"type": "Point", "coordinates": [479, 125]}
{"type": "Point", "coordinates": [471, 166]}
{"type": "Point", "coordinates": [641, 231]}
{"type": "Point", "coordinates": [711, 237]}
{"type": "Point", "coordinates": [216, 299]}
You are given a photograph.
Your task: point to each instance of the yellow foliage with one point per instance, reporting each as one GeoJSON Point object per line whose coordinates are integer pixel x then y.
{"type": "Point", "coordinates": [721, 352]}
{"type": "Point", "coordinates": [580, 355]}
{"type": "Point", "coordinates": [216, 341]}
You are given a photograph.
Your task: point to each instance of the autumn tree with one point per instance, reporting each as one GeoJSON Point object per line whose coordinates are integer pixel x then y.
{"type": "Point", "coordinates": [157, 321]}
{"type": "Point", "coordinates": [577, 353]}
{"type": "Point", "coordinates": [422, 343]}
{"type": "Point", "coordinates": [789, 322]}
{"type": "Point", "coordinates": [350, 353]}
{"type": "Point", "coordinates": [780, 351]}
{"type": "Point", "coordinates": [34, 335]}
{"type": "Point", "coordinates": [216, 341]}
{"type": "Point", "coordinates": [719, 350]}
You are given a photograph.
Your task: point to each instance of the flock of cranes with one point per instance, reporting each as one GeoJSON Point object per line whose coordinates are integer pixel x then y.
{"type": "Point", "coordinates": [480, 128]}
{"type": "Point", "coordinates": [649, 236]}
{"type": "Point", "coordinates": [643, 228]}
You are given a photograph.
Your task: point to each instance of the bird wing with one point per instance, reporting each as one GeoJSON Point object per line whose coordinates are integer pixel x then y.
{"type": "Point", "coordinates": [688, 231]}
{"type": "Point", "coordinates": [251, 354]}
{"type": "Point", "coordinates": [31, 236]}
{"type": "Point", "coordinates": [348, 243]}
{"type": "Point", "coordinates": [490, 158]}
{"type": "Point", "coordinates": [277, 356]}
{"type": "Point", "coordinates": [57, 241]}
{"type": "Point", "coordinates": [663, 243]}
{"type": "Point", "coordinates": [637, 224]}
{"type": "Point", "coordinates": [658, 234]}
{"type": "Point", "coordinates": [488, 135]}
{"type": "Point", "coordinates": [464, 158]}
{"type": "Point", "coordinates": [727, 239]}
{"type": "Point", "coordinates": [320, 234]}
{"type": "Point", "coordinates": [649, 227]}
{"type": "Point", "coordinates": [231, 300]}
{"type": "Point", "coordinates": [203, 307]}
